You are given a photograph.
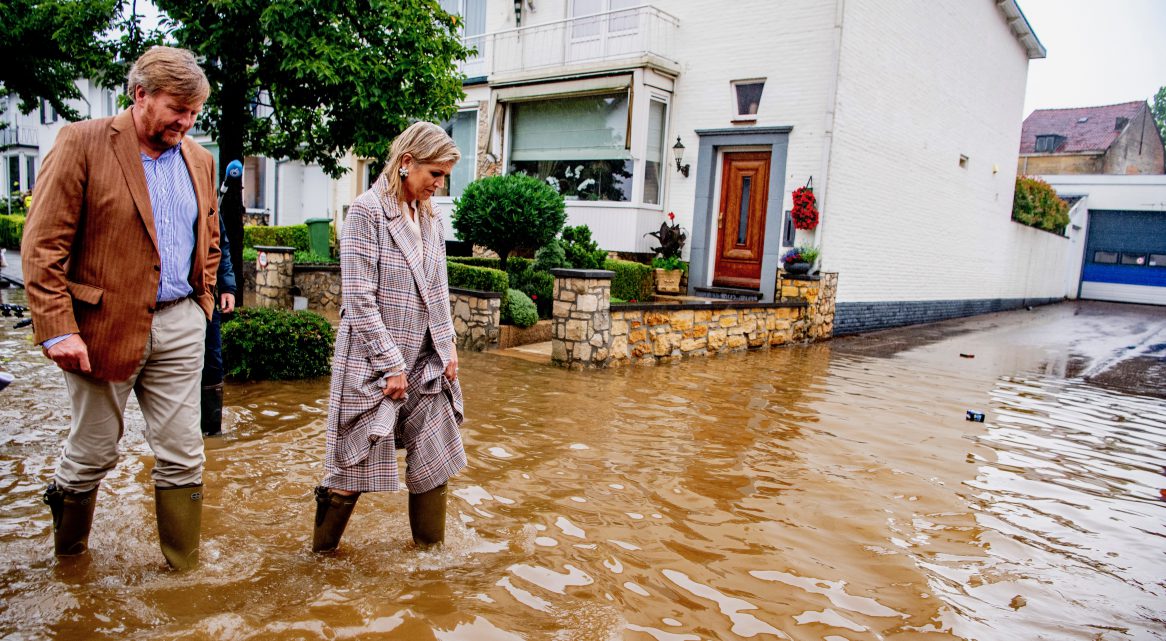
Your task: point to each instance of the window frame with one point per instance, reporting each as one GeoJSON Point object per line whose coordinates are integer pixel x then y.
{"type": "Point", "coordinates": [734, 98]}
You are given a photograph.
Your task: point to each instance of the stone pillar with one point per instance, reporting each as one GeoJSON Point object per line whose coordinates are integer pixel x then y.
{"type": "Point", "coordinates": [274, 276]}
{"type": "Point", "coordinates": [476, 318]}
{"type": "Point", "coordinates": [581, 325]}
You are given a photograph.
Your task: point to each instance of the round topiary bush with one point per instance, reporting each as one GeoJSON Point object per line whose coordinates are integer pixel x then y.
{"type": "Point", "coordinates": [276, 344]}
{"type": "Point", "coordinates": [519, 309]}
{"type": "Point", "coordinates": [507, 212]}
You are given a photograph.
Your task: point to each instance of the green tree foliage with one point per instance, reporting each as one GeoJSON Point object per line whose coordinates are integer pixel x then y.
{"type": "Point", "coordinates": [46, 45]}
{"type": "Point", "coordinates": [310, 80]}
{"type": "Point", "coordinates": [504, 213]}
{"type": "Point", "coordinates": [276, 344]}
{"type": "Point", "coordinates": [581, 251]}
{"type": "Point", "coordinates": [1158, 108]}
{"type": "Point", "coordinates": [1036, 204]}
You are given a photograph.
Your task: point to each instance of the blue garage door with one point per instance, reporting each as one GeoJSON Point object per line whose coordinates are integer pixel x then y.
{"type": "Point", "coordinates": [1125, 257]}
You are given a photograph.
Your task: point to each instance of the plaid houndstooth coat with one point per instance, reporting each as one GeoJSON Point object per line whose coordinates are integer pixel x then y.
{"type": "Point", "coordinates": [394, 293]}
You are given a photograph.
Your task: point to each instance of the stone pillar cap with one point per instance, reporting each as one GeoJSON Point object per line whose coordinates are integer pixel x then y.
{"type": "Point", "coordinates": [597, 274]}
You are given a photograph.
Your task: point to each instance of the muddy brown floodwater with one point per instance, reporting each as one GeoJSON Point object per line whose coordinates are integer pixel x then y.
{"type": "Point", "coordinates": [832, 491]}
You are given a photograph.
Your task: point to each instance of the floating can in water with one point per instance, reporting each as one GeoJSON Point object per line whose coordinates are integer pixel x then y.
{"type": "Point", "coordinates": [973, 415]}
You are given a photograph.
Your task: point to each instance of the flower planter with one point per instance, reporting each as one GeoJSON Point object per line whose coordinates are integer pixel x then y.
{"type": "Point", "coordinates": [797, 268]}
{"type": "Point", "coordinates": [668, 281]}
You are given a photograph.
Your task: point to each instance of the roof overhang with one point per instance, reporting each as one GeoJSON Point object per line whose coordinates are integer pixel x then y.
{"type": "Point", "coordinates": [1021, 29]}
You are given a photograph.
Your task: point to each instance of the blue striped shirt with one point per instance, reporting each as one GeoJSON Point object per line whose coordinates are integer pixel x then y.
{"type": "Point", "coordinates": [175, 214]}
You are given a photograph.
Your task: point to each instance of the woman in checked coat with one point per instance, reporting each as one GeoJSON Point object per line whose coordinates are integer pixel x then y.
{"type": "Point", "coordinates": [394, 373]}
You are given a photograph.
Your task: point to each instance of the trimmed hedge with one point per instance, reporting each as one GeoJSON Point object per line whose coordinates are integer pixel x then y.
{"type": "Point", "coordinates": [11, 231]}
{"type": "Point", "coordinates": [632, 281]}
{"type": "Point", "coordinates": [482, 279]}
{"type": "Point", "coordinates": [281, 236]}
{"type": "Point", "coordinates": [518, 309]}
{"type": "Point", "coordinates": [276, 344]}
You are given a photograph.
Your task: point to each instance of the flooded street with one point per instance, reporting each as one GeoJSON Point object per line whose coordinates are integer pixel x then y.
{"type": "Point", "coordinates": [831, 491]}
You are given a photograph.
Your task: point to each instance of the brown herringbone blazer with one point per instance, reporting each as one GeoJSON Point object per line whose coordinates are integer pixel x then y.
{"type": "Point", "coordinates": [90, 249]}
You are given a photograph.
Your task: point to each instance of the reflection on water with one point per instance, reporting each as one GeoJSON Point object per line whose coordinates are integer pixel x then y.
{"type": "Point", "coordinates": [808, 493]}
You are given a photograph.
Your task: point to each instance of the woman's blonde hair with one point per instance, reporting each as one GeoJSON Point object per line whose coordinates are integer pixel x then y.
{"type": "Point", "coordinates": [170, 70]}
{"type": "Point", "coordinates": [428, 144]}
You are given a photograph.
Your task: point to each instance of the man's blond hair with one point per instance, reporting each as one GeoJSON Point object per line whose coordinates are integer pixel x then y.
{"type": "Point", "coordinates": [169, 70]}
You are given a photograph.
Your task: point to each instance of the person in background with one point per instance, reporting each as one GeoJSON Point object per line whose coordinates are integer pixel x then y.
{"type": "Point", "coordinates": [212, 369]}
{"type": "Point", "coordinates": [120, 255]}
{"type": "Point", "coordinates": [395, 367]}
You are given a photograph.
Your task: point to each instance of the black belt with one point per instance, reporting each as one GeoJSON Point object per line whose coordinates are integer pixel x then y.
{"type": "Point", "coordinates": [168, 303]}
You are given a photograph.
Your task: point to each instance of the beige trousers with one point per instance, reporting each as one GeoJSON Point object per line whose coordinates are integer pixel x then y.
{"type": "Point", "coordinates": [166, 385]}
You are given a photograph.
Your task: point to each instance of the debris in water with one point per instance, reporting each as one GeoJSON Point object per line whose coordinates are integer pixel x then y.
{"type": "Point", "coordinates": [975, 416]}
{"type": "Point", "coordinates": [962, 355]}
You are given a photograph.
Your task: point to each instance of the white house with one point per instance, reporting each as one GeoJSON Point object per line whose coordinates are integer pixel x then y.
{"type": "Point", "coordinates": [905, 114]}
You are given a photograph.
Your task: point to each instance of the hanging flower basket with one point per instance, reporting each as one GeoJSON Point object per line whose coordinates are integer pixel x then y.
{"type": "Point", "coordinates": [805, 211]}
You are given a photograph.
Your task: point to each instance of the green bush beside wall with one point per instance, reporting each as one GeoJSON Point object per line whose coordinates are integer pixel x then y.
{"type": "Point", "coordinates": [632, 281]}
{"type": "Point", "coordinates": [11, 231]}
{"type": "Point", "coordinates": [281, 236]}
{"type": "Point", "coordinates": [482, 279]}
{"type": "Point", "coordinates": [276, 344]}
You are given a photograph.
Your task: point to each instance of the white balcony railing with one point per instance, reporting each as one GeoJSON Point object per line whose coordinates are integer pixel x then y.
{"type": "Point", "coordinates": [18, 137]}
{"type": "Point", "coordinates": [608, 36]}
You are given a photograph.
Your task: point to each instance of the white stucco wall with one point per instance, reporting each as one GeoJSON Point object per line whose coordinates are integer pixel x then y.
{"type": "Point", "coordinates": [920, 84]}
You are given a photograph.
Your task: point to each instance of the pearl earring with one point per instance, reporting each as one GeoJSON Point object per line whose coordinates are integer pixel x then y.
{"type": "Point", "coordinates": [404, 172]}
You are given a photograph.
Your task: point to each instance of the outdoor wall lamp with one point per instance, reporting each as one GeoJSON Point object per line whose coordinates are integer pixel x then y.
{"type": "Point", "coordinates": [517, 13]}
{"type": "Point", "coordinates": [678, 153]}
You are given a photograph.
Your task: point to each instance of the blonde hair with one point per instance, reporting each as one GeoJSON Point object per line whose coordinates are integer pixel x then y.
{"type": "Point", "coordinates": [428, 144]}
{"type": "Point", "coordinates": [170, 70]}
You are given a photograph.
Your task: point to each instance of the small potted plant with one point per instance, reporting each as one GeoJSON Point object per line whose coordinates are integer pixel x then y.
{"type": "Point", "coordinates": [669, 267]}
{"type": "Point", "coordinates": [800, 259]}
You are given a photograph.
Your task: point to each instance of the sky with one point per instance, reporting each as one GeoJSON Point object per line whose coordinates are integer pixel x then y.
{"type": "Point", "coordinates": [1100, 52]}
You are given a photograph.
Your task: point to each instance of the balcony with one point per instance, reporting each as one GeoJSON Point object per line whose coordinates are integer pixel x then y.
{"type": "Point", "coordinates": [18, 137]}
{"type": "Point", "coordinates": [625, 36]}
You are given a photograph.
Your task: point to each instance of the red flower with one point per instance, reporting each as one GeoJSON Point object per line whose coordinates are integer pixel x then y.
{"type": "Point", "coordinates": [671, 216]}
{"type": "Point", "coordinates": [534, 296]}
{"type": "Point", "coordinates": [805, 211]}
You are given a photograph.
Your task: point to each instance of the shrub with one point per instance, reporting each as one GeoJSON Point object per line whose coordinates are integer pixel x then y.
{"type": "Point", "coordinates": [250, 254]}
{"type": "Point", "coordinates": [11, 231]}
{"type": "Point", "coordinates": [551, 256]}
{"type": "Point", "coordinates": [1036, 204]}
{"type": "Point", "coordinates": [632, 281]}
{"type": "Point", "coordinates": [518, 309]}
{"type": "Point", "coordinates": [281, 236]}
{"type": "Point", "coordinates": [482, 279]}
{"type": "Point", "coordinates": [581, 251]}
{"type": "Point", "coordinates": [309, 258]}
{"type": "Point", "coordinates": [539, 285]}
{"type": "Point", "coordinates": [507, 212]}
{"type": "Point", "coordinates": [276, 344]}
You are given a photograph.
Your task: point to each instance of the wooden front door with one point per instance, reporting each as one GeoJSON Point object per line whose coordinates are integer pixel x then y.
{"type": "Point", "coordinates": [741, 219]}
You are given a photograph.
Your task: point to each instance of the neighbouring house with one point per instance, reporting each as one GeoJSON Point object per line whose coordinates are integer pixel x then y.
{"type": "Point", "coordinates": [1111, 139]}
{"type": "Point", "coordinates": [905, 116]}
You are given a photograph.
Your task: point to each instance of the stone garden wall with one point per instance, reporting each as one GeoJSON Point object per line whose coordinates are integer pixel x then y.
{"type": "Point", "coordinates": [589, 332]}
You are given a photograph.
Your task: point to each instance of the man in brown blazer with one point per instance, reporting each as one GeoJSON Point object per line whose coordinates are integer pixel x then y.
{"type": "Point", "coordinates": [120, 254]}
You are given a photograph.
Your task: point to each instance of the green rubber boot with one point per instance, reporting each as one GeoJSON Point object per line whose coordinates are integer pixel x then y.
{"type": "Point", "coordinates": [427, 516]}
{"type": "Point", "coordinates": [72, 518]}
{"type": "Point", "coordinates": [332, 513]}
{"type": "Point", "coordinates": [179, 512]}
